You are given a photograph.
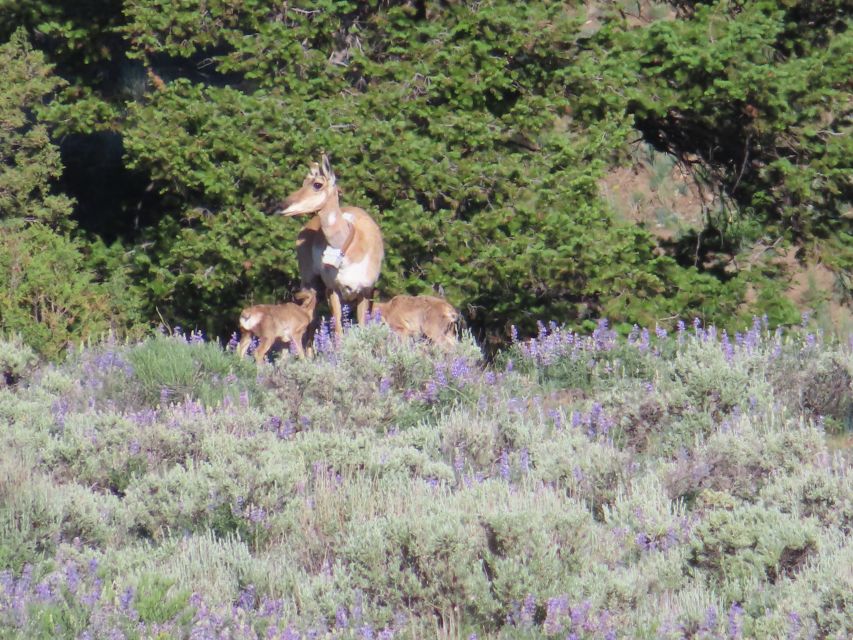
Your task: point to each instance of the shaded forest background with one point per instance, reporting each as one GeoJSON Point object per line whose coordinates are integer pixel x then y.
{"type": "Point", "coordinates": [636, 160]}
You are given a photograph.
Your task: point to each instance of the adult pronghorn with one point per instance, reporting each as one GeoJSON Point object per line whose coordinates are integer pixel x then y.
{"type": "Point", "coordinates": [340, 248]}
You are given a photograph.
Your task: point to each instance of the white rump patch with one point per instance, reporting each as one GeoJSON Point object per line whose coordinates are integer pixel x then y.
{"type": "Point", "coordinates": [249, 321]}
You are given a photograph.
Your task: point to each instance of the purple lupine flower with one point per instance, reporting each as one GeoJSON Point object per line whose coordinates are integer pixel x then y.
{"type": "Point", "coordinates": [509, 365]}
{"type": "Point", "coordinates": [322, 338]}
{"type": "Point", "coordinates": [272, 607]}
{"type": "Point", "coordinates": [246, 598]}
{"type": "Point", "coordinates": [386, 634]}
{"type": "Point", "coordinates": [366, 632]}
{"type": "Point", "coordinates": [459, 463]}
{"type": "Point", "coordinates": [578, 614]}
{"type": "Point", "coordinates": [697, 329]}
{"type": "Point", "coordinates": [504, 465]}
{"type": "Point", "coordinates": [710, 622]}
{"type": "Point", "coordinates": [528, 611]}
{"type": "Point", "coordinates": [728, 350]}
{"type": "Point", "coordinates": [804, 317]}
{"type": "Point", "coordinates": [233, 342]}
{"type": "Point", "coordinates": [72, 578]}
{"type": "Point", "coordinates": [439, 376]}
{"type": "Point", "coordinates": [125, 599]}
{"type": "Point", "coordinates": [431, 391]}
{"type": "Point", "coordinates": [577, 419]}
{"type": "Point", "coordinates": [287, 430]}
{"type": "Point", "coordinates": [644, 340]}
{"type": "Point", "coordinates": [43, 591]}
{"type": "Point", "coordinates": [660, 332]}
{"type": "Point", "coordinates": [384, 385]}
{"type": "Point", "coordinates": [341, 618]}
{"type": "Point", "coordinates": [257, 515]}
{"type": "Point", "coordinates": [645, 542]}
{"type": "Point", "coordinates": [524, 461]}
{"type": "Point", "coordinates": [735, 621]}
{"type": "Point", "coordinates": [795, 624]}
{"type": "Point", "coordinates": [515, 405]}
{"type": "Point", "coordinates": [290, 634]}
{"type": "Point", "coordinates": [670, 539]}
{"type": "Point", "coordinates": [94, 593]}
{"type": "Point", "coordinates": [556, 610]}
{"type": "Point", "coordinates": [513, 334]}
{"type": "Point", "coordinates": [634, 334]}
{"type": "Point", "coordinates": [459, 369]}
{"type": "Point", "coordinates": [556, 417]}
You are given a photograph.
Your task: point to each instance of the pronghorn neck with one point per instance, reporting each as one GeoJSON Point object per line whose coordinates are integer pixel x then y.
{"type": "Point", "coordinates": [336, 227]}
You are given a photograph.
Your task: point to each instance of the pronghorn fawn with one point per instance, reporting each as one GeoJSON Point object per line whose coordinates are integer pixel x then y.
{"type": "Point", "coordinates": [287, 322]}
{"type": "Point", "coordinates": [340, 249]}
{"type": "Point", "coordinates": [415, 316]}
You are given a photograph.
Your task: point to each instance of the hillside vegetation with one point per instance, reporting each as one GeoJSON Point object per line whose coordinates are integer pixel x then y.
{"type": "Point", "coordinates": [146, 142]}
{"type": "Point", "coordinates": [694, 484]}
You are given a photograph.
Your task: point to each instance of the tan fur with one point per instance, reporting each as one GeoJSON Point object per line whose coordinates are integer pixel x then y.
{"type": "Point", "coordinates": [289, 322]}
{"type": "Point", "coordinates": [354, 281]}
{"type": "Point", "coordinates": [416, 316]}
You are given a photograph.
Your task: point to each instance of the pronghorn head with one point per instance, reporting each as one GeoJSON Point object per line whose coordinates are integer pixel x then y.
{"type": "Point", "coordinates": [319, 185]}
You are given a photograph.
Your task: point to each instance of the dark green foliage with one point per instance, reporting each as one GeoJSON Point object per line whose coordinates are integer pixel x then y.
{"type": "Point", "coordinates": [48, 292]}
{"type": "Point", "coordinates": [757, 92]}
{"type": "Point", "coordinates": [476, 134]}
{"type": "Point", "coordinates": [28, 160]}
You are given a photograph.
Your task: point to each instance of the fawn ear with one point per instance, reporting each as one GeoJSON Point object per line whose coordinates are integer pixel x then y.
{"type": "Point", "coordinates": [326, 170]}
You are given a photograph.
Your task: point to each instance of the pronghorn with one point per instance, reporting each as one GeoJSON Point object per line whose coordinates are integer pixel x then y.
{"type": "Point", "coordinates": [287, 322]}
{"type": "Point", "coordinates": [415, 316]}
{"type": "Point", "coordinates": [340, 249]}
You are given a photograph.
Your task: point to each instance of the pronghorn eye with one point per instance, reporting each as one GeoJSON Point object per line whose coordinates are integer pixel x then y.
{"type": "Point", "coordinates": [317, 186]}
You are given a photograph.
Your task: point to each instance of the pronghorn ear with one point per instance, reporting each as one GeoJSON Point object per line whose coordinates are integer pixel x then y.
{"type": "Point", "coordinates": [326, 170]}
{"type": "Point", "coordinates": [314, 170]}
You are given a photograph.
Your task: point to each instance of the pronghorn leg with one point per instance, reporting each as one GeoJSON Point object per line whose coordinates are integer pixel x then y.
{"type": "Point", "coordinates": [296, 340]}
{"type": "Point", "coordinates": [335, 304]}
{"type": "Point", "coordinates": [361, 308]}
{"type": "Point", "coordinates": [262, 349]}
{"type": "Point", "coordinates": [245, 341]}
